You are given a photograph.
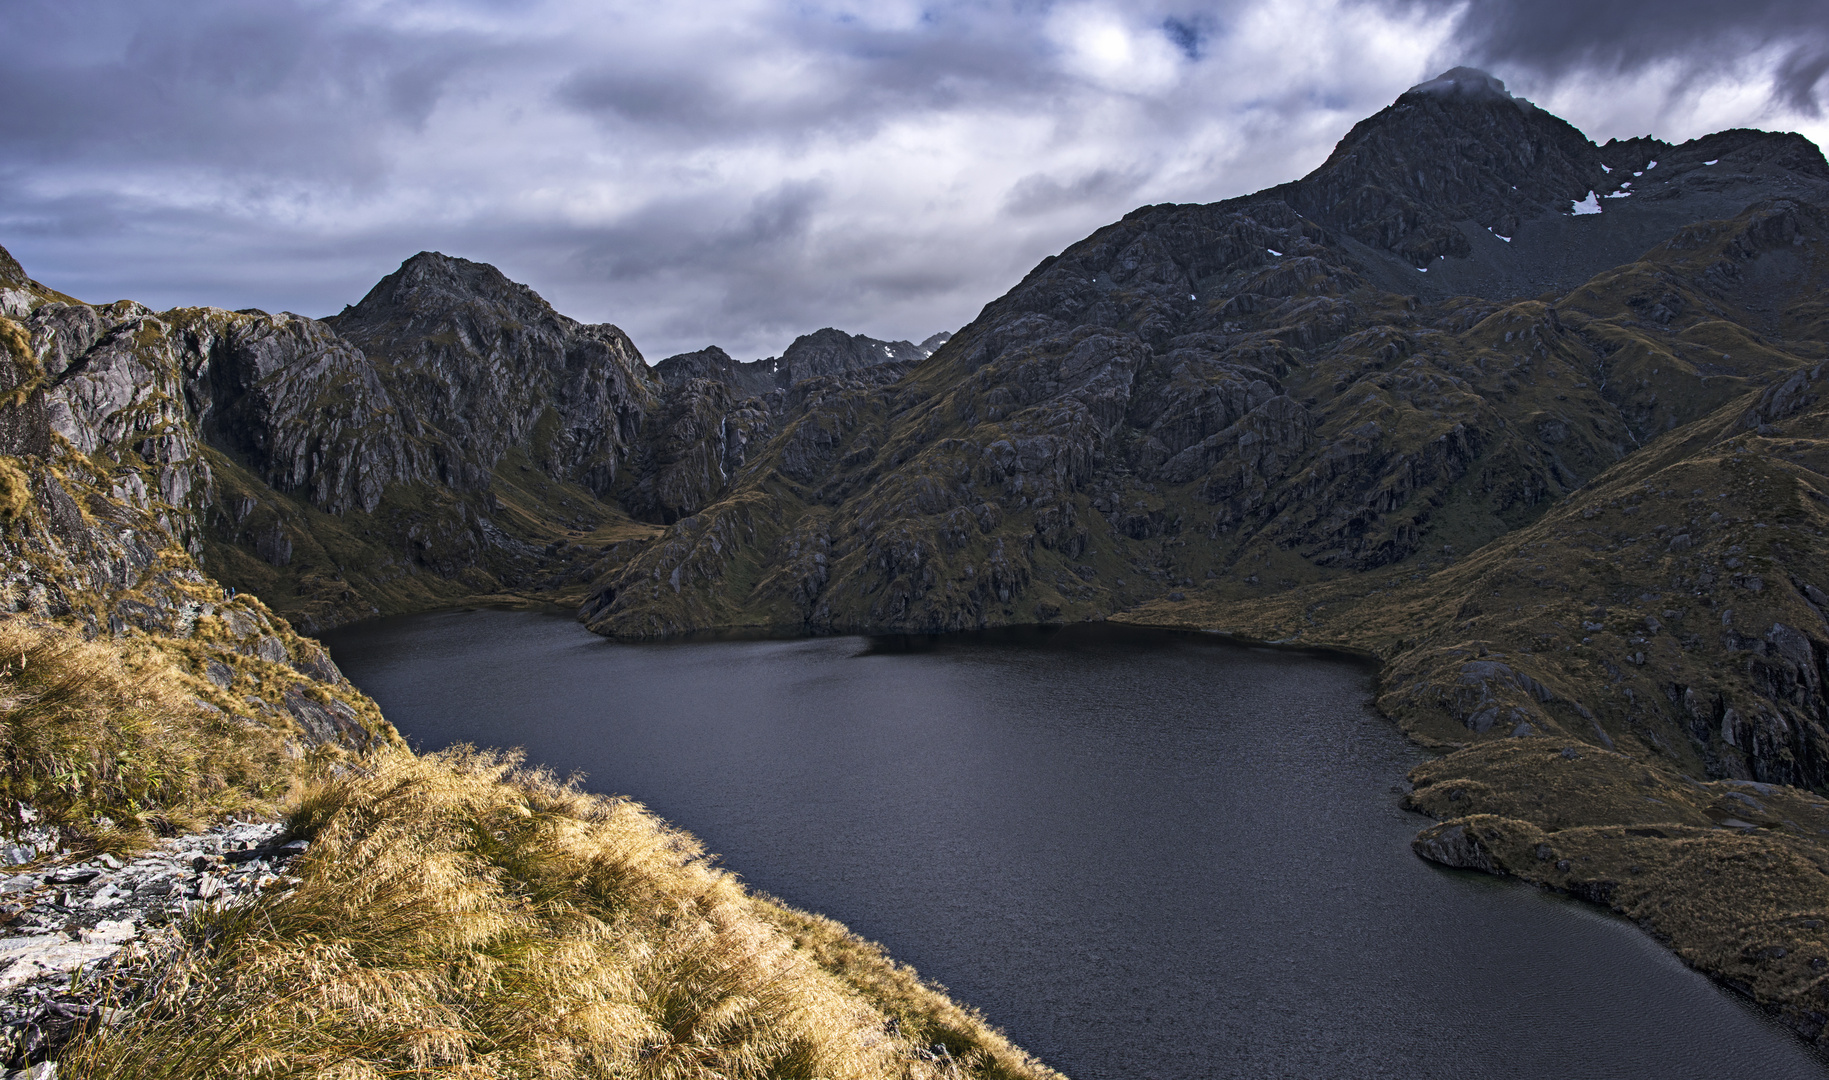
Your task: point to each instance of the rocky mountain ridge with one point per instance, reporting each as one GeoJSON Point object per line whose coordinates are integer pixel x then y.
{"type": "Point", "coordinates": [449, 436]}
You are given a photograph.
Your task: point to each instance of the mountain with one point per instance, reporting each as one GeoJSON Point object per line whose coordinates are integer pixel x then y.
{"type": "Point", "coordinates": [1231, 393]}
{"type": "Point", "coordinates": [448, 437]}
{"type": "Point", "coordinates": [1538, 422]}
{"type": "Point", "coordinates": [142, 701]}
{"type": "Point", "coordinates": [1535, 421]}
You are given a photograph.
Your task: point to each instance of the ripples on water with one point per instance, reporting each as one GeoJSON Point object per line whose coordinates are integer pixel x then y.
{"type": "Point", "coordinates": [1142, 854]}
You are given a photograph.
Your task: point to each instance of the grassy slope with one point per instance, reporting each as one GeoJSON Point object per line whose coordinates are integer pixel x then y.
{"type": "Point", "coordinates": [415, 552]}
{"type": "Point", "coordinates": [109, 747]}
{"type": "Point", "coordinates": [457, 915]}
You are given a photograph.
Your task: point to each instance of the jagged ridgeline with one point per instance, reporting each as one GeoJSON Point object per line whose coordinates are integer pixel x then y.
{"type": "Point", "coordinates": [1537, 421]}
{"type": "Point", "coordinates": [449, 437]}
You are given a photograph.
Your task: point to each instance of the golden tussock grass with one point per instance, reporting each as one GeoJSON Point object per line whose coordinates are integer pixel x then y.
{"type": "Point", "coordinates": [109, 750]}
{"type": "Point", "coordinates": [458, 915]}
{"type": "Point", "coordinates": [15, 488]}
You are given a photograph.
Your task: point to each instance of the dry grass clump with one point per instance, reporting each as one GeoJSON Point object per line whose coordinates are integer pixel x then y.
{"type": "Point", "coordinates": [108, 754]}
{"type": "Point", "coordinates": [458, 915]}
{"type": "Point", "coordinates": [921, 1012]}
{"type": "Point", "coordinates": [15, 489]}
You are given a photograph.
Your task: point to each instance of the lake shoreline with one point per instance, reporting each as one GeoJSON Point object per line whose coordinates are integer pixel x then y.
{"type": "Point", "coordinates": [921, 652]}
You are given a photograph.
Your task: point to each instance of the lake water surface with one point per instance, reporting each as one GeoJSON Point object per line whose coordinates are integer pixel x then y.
{"type": "Point", "coordinates": [1141, 854]}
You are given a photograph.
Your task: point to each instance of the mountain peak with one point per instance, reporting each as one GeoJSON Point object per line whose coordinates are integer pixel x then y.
{"type": "Point", "coordinates": [1466, 83]}
{"type": "Point", "coordinates": [11, 273]}
{"type": "Point", "coordinates": [1456, 148]}
{"type": "Point", "coordinates": [449, 273]}
{"type": "Point", "coordinates": [434, 285]}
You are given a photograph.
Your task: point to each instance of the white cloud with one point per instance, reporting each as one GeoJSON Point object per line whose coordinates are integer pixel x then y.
{"type": "Point", "coordinates": [1103, 46]}
{"type": "Point", "coordinates": [733, 172]}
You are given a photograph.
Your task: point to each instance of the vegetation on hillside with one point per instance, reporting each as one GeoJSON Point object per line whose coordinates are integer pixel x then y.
{"type": "Point", "coordinates": [459, 915]}
{"type": "Point", "coordinates": [105, 749]}
{"type": "Point", "coordinates": [1591, 670]}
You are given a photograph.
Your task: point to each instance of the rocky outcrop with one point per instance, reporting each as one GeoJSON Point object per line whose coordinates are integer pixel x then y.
{"type": "Point", "coordinates": [823, 352]}
{"type": "Point", "coordinates": [73, 926]}
{"type": "Point", "coordinates": [1456, 148]}
{"type": "Point", "coordinates": [834, 352]}
{"type": "Point", "coordinates": [484, 365]}
{"type": "Point", "coordinates": [111, 484]}
{"type": "Point", "coordinates": [303, 409]}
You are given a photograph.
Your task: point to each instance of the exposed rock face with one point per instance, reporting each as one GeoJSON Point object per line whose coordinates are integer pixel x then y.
{"type": "Point", "coordinates": [834, 352]}
{"type": "Point", "coordinates": [69, 928]}
{"type": "Point", "coordinates": [703, 432]}
{"type": "Point", "coordinates": [449, 436]}
{"type": "Point", "coordinates": [302, 408]}
{"type": "Point", "coordinates": [112, 483]}
{"type": "Point", "coordinates": [487, 365]}
{"type": "Point", "coordinates": [823, 352]}
{"type": "Point", "coordinates": [1455, 149]}
{"type": "Point", "coordinates": [756, 378]}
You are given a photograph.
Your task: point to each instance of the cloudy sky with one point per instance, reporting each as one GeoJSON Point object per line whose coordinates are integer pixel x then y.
{"type": "Point", "coordinates": [737, 172]}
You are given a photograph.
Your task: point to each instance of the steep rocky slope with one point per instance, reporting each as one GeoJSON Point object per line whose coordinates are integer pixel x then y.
{"type": "Point", "coordinates": [104, 481]}
{"type": "Point", "coordinates": [482, 918]}
{"type": "Point", "coordinates": [448, 438]}
{"type": "Point", "coordinates": [1231, 392]}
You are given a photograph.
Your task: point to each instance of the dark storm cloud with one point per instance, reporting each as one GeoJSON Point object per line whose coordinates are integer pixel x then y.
{"type": "Point", "coordinates": [730, 172]}
{"type": "Point", "coordinates": [1559, 37]}
{"type": "Point", "coordinates": [857, 77]}
{"type": "Point", "coordinates": [236, 88]}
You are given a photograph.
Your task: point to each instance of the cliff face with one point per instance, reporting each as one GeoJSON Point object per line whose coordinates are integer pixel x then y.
{"type": "Point", "coordinates": [105, 486]}
{"type": "Point", "coordinates": [480, 364]}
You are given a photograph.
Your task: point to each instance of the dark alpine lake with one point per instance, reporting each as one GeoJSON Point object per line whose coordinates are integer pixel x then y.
{"type": "Point", "coordinates": [1141, 854]}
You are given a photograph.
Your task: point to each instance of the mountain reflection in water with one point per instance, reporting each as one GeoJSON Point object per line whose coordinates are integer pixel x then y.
{"type": "Point", "coordinates": [1139, 853]}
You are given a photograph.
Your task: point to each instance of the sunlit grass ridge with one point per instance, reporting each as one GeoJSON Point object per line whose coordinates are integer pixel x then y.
{"type": "Point", "coordinates": [461, 915]}
{"type": "Point", "coordinates": [106, 748]}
